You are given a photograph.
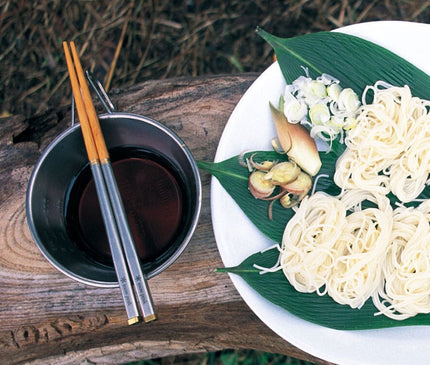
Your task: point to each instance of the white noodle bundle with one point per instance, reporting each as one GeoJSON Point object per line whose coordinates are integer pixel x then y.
{"type": "Point", "coordinates": [372, 252]}
{"type": "Point", "coordinates": [406, 291]}
{"type": "Point", "coordinates": [308, 253]}
{"type": "Point", "coordinates": [321, 246]}
{"type": "Point", "coordinates": [387, 148]}
{"type": "Point", "coordinates": [357, 271]}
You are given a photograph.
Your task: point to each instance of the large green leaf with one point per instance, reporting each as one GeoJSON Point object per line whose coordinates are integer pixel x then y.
{"type": "Point", "coordinates": [311, 307]}
{"type": "Point", "coordinates": [356, 63]}
{"type": "Point", "coordinates": [353, 60]}
{"type": "Point", "coordinates": [317, 309]}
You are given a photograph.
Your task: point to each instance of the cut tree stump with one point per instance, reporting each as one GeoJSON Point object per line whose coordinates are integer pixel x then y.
{"type": "Point", "coordinates": [46, 317]}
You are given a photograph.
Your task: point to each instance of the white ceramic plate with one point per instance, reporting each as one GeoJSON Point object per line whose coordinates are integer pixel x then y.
{"type": "Point", "coordinates": [249, 128]}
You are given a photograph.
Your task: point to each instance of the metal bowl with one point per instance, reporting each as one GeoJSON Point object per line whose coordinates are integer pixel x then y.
{"type": "Point", "coordinates": [62, 161]}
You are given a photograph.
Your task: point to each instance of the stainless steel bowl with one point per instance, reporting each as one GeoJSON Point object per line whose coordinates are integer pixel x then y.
{"type": "Point", "coordinates": [62, 161]}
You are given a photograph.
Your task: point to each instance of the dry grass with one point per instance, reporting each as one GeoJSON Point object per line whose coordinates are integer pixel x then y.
{"type": "Point", "coordinates": [127, 42]}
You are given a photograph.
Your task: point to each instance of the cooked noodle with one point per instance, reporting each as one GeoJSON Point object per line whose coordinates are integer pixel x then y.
{"type": "Point", "coordinates": [406, 269]}
{"type": "Point", "coordinates": [325, 250]}
{"type": "Point", "coordinates": [351, 251]}
{"type": "Point", "coordinates": [371, 252]}
{"type": "Point", "coordinates": [357, 271]}
{"type": "Point", "coordinates": [387, 150]}
{"type": "Point", "coordinates": [308, 253]}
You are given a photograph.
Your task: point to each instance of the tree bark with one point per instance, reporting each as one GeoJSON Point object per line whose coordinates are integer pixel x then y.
{"type": "Point", "coordinates": [46, 317]}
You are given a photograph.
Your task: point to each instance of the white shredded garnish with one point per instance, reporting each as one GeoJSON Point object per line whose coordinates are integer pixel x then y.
{"type": "Point", "coordinates": [322, 105]}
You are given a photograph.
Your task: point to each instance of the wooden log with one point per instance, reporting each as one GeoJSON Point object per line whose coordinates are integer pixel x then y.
{"type": "Point", "coordinates": [45, 317]}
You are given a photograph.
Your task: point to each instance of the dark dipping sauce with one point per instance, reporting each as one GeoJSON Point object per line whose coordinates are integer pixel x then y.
{"type": "Point", "coordinates": [152, 192]}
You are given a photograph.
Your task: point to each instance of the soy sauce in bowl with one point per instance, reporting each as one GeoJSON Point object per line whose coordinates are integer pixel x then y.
{"type": "Point", "coordinates": [154, 197]}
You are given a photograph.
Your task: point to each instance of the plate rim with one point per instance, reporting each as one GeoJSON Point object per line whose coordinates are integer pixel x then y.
{"type": "Point", "coordinates": [380, 337]}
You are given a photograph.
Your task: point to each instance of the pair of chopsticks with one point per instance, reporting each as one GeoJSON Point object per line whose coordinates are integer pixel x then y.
{"type": "Point", "coordinates": [124, 255]}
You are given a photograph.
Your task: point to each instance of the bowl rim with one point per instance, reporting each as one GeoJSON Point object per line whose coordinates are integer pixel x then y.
{"type": "Point", "coordinates": [193, 219]}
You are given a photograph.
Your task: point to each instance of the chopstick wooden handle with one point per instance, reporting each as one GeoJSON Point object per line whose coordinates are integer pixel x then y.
{"type": "Point", "coordinates": [89, 106]}
{"type": "Point", "coordinates": [90, 146]}
{"type": "Point", "coordinates": [114, 216]}
{"type": "Point", "coordinates": [102, 193]}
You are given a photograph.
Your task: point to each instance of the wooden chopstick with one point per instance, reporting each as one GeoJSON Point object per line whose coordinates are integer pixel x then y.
{"type": "Point", "coordinates": [132, 258]}
{"type": "Point", "coordinates": [117, 228]}
{"type": "Point", "coordinates": [108, 217]}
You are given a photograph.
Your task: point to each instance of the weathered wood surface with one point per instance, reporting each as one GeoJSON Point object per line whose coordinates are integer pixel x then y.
{"type": "Point", "coordinates": [45, 317]}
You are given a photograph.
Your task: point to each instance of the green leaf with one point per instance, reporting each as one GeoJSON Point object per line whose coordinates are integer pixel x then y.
{"type": "Point", "coordinates": [234, 178]}
{"type": "Point", "coordinates": [317, 309]}
{"type": "Point", "coordinates": [353, 60]}
{"type": "Point", "coordinates": [356, 63]}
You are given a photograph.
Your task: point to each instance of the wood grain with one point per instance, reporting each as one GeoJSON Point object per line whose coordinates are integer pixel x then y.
{"type": "Point", "coordinates": [45, 317]}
